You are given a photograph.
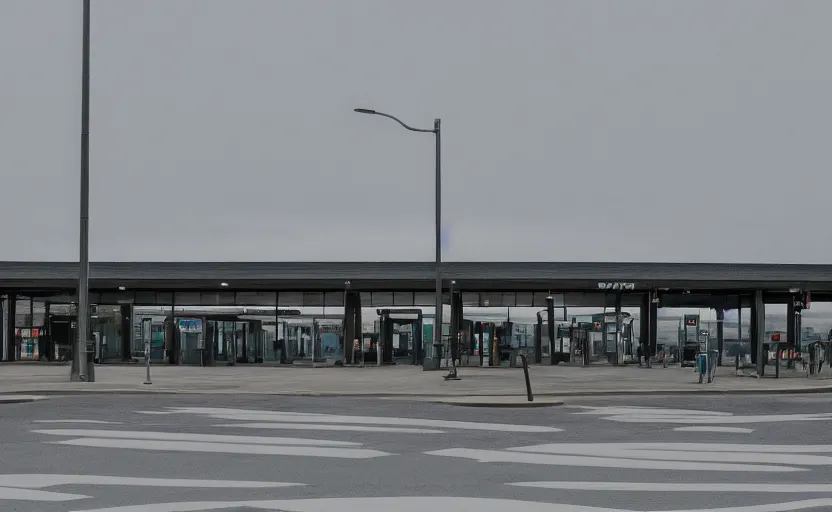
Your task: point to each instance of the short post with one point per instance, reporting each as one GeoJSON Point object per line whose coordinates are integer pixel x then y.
{"type": "Point", "coordinates": [147, 362]}
{"type": "Point", "coordinates": [452, 371]}
{"type": "Point", "coordinates": [526, 374]}
{"type": "Point", "coordinates": [776, 362]}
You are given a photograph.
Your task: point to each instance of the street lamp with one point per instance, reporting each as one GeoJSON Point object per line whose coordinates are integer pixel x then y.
{"type": "Point", "coordinates": [437, 327]}
{"type": "Point", "coordinates": [80, 371]}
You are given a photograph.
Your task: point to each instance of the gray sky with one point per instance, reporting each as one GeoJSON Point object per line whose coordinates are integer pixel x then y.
{"type": "Point", "coordinates": [583, 130]}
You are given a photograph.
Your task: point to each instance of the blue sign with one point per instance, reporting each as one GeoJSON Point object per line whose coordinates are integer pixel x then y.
{"type": "Point", "coordinates": [190, 324]}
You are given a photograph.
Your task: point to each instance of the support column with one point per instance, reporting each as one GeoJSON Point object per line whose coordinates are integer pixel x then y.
{"type": "Point", "coordinates": [2, 328]}
{"type": "Point", "coordinates": [644, 323]}
{"type": "Point", "coordinates": [126, 331]}
{"type": "Point", "coordinates": [654, 328]}
{"type": "Point", "coordinates": [739, 326]}
{"type": "Point", "coordinates": [720, 334]}
{"type": "Point", "coordinates": [352, 325]}
{"type": "Point", "coordinates": [10, 325]}
{"type": "Point", "coordinates": [456, 324]}
{"type": "Point", "coordinates": [791, 313]}
{"type": "Point", "coordinates": [550, 328]}
{"type": "Point", "coordinates": [619, 356]}
{"type": "Point", "coordinates": [760, 329]}
{"type": "Point", "coordinates": [538, 339]}
{"type": "Point", "coordinates": [752, 331]}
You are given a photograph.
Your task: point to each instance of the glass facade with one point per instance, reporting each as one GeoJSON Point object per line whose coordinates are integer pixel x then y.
{"type": "Point", "coordinates": [229, 327]}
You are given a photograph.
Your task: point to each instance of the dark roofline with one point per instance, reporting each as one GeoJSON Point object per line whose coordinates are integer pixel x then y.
{"type": "Point", "coordinates": [420, 270]}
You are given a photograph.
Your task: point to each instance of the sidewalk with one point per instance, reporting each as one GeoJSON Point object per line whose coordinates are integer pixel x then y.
{"type": "Point", "coordinates": [402, 381]}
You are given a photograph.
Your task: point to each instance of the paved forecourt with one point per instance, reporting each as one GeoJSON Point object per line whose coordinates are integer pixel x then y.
{"type": "Point", "coordinates": [174, 453]}
{"type": "Point", "coordinates": [406, 381]}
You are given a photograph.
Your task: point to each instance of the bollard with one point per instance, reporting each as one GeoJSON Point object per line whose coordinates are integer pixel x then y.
{"type": "Point", "coordinates": [526, 374]}
{"type": "Point", "coordinates": [147, 362]}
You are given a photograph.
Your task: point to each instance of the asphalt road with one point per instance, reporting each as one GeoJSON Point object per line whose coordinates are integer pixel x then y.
{"type": "Point", "coordinates": [90, 453]}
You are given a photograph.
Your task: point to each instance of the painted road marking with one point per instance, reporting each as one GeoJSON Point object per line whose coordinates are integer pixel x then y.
{"type": "Point", "coordinates": [250, 449]}
{"type": "Point", "coordinates": [329, 427]}
{"type": "Point", "coordinates": [179, 436]}
{"type": "Point", "coordinates": [680, 487]}
{"type": "Point", "coordinates": [718, 429]}
{"type": "Point", "coordinates": [318, 418]}
{"type": "Point", "coordinates": [39, 481]}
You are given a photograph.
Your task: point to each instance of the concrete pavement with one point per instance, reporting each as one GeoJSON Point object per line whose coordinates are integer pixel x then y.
{"type": "Point", "coordinates": [397, 381]}
{"type": "Point", "coordinates": [168, 453]}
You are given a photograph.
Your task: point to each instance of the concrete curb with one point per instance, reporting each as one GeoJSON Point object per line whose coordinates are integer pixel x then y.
{"type": "Point", "coordinates": [520, 403]}
{"type": "Point", "coordinates": [698, 390]}
{"type": "Point", "coordinates": [20, 399]}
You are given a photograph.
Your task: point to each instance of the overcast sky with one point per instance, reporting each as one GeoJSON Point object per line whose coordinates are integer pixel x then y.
{"type": "Point", "coordinates": [585, 130]}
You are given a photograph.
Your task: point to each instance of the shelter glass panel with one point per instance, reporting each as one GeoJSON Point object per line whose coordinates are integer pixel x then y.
{"type": "Point", "coordinates": [313, 299]}
{"type": "Point", "coordinates": [382, 299]}
{"type": "Point", "coordinates": [147, 298]}
{"type": "Point", "coordinates": [187, 298]}
{"type": "Point", "coordinates": [334, 299]}
{"type": "Point", "coordinates": [471, 299]}
{"type": "Point", "coordinates": [402, 299]}
{"type": "Point", "coordinates": [217, 299]}
{"type": "Point", "coordinates": [256, 299]}
{"type": "Point", "coordinates": [525, 299]}
{"type": "Point", "coordinates": [490, 299]}
{"type": "Point", "coordinates": [164, 298]}
{"type": "Point", "coordinates": [424, 299]}
{"type": "Point", "coordinates": [115, 298]}
{"type": "Point", "coordinates": [290, 299]}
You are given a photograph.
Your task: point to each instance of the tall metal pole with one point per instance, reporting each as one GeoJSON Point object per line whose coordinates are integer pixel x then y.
{"type": "Point", "coordinates": [437, 328]}
{"type": "Point", "coordinates": [436, 131]}
{"type": "Point", "coordinates": [84, 263]}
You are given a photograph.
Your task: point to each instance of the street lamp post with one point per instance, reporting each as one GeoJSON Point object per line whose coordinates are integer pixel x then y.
{"type": "Point", "coordinates": [437, 327]}
{"type": "Point", "coordinates": [84, 256]}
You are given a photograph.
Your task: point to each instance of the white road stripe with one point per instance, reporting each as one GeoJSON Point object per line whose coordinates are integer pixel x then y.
{"type": "Point", "coordinates": [445, 504]}
{"type": "Point", "coordinates": [96, 422]}
{"type": "Point", "coordinates": [679, 487]}
{"type": "Point", "coordinates": [614, 450]}
{"type": "Point", "coordinates": [178, 436]}
{"type": "Point", "coordinates": [337, 428]}
{"type": "Point", "coordinates": [252, 449]}
{"type": "Point", "coordinates": [39, 481]}
{"type": "Point", "coordinates": [707, 447]}
{"type": "Point", "coordinates": [718, 429]}
{"type": "Point", "coordinates": [603, 462]}
{"type": "Point", "coordinates": [11, 493]}
{"type": "Point", "coordinates": [397, 504]}
{"type": "Point", "coordinates": [293, 417]}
